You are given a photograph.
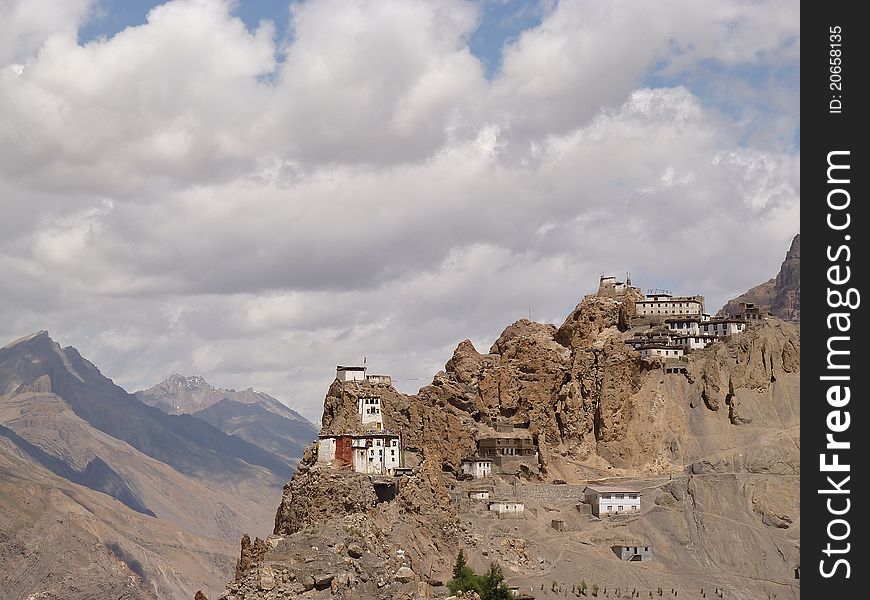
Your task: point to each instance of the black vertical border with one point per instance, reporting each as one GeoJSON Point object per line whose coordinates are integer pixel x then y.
{"type": "Point", "coordinates": [824, 131]}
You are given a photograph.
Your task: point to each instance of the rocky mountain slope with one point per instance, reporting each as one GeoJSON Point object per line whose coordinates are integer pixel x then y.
{"type": "Point", "coordinates": [714, 449]}
{"type": "Point", "coordinates": [248, 414]}
{"type": "Point", "coordinates": [61, 541]}
{"type": "Point", "coordinates": [782, 294]}
{"type": "Point", "coordinates": [162, 492]}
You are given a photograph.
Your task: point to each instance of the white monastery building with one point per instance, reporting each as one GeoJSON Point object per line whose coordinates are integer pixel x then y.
{"type": "Point", "coordinates": [723, 327]}
{"type": "Point", "coordinates": [661, 303]}
{"type": "Point", "coordinates": [693, 342]}
{"type": "Point", "coordinates": [685, 325]}
{"type": "Point", "coordinates": [612, 500]}
{"type": "Point", "coordinates": [477, 467]}
{"type": "Point", "coordinates": [373, 452]}
{"type": "Point", "coordinates": [376, 453]}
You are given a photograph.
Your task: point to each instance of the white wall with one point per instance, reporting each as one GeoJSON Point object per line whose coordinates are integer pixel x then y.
{"type": "Point", "coordinates": [350, 375]}
{"type": "Point", "coordinates": [674, 352]}
{"type": "Point", "coordinates": [477, 468]}
{"type": "Point", "coordinates": [507, 507]}
{"type": "Point", "coordinates": [326, 450]}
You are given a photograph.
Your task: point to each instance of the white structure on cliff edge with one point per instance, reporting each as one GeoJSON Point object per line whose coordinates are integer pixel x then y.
{"type": "Point", "coordinates": [350, 373]}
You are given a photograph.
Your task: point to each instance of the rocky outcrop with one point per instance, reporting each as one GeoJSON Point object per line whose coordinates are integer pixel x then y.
{"type": "Point", "coordinates": [315, 495]}
{"type": "Point", "coordinates": [787, 299]}
{"type": "Point", "coordinates": [592, 406]}
{"type": "Point", "coordinates": [340, 542]}
{"type": "Point", "coordinates": [781, 294]}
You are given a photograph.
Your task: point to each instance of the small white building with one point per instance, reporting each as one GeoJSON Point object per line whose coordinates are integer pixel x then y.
{"type": "Point", "coordinates": [478, 495]}
{"type": "Point", "coordinates": [612, 500]}
{"type": "Point", "coordinates": [694, 342]}
{"type": "Point", "coordinates": [723, 327]}
{"type": "Point", "coordinates": [376, 453]}
{"type": "Point", "coordinates": [369, 410]}
{"type": "Point", "coordinates": [663, 350]}
{"type": "Point", "coordinates": [350, 373]}
{"type": "Point", "coordinates": [477, 467]}
{"type": "Point", "coordinates": [507, 508]}
{"type": "Point", "coordinates": [379, 379]}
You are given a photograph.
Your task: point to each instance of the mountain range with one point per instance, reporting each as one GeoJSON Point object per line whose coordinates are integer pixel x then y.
{"type": "Point", "coordinates": [248, 414]}
{"type": "Point", "coordinates": [105, 496]}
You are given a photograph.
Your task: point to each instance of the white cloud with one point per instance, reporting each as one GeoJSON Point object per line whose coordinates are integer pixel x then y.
{"type": "Point", "coordinates": [177, 199]}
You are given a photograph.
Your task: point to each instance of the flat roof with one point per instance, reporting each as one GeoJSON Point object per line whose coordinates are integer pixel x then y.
{"type": "Point", "coordinates": [714, 321]}
{"type": "Point", "coordinates": [341, 368]}
{"type": "Point", "coordinates": [611, 489]}
{"type": "Point", "coordinates": [366, 434]}
{"type": "Point", "coordinates": [653, 298]}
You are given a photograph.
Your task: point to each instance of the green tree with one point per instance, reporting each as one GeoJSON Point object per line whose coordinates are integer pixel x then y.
{"type": "Point", "coordinates": [459, 565]}
{"type": "Point", "coordinates": [464, 577]}
{"type": "Point", "coordinates": [493, 586]}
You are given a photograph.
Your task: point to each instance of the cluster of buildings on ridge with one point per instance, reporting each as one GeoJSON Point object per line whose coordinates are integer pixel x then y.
{"type": "Point", "coordinates": [370, 448]}
{"type": "Point", "coordinates": [688, 326]}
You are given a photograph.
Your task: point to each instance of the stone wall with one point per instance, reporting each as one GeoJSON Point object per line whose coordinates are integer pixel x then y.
{"type": "Point", "coordinates": [541, 493]}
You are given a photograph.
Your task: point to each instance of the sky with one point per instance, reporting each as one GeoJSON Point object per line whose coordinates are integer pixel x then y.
{"type": "Point", "coordinates": [257, 190]}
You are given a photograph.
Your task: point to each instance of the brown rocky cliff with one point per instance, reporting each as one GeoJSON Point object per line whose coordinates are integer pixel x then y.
{"type": "Point", "coordinates": [787, 301]}
{"type": "Point", "coordinates": [316, 495]}
{"type": "Point", "coordinates": [782, 294]}
{"type": "Point", "coordinates": [577, 390]}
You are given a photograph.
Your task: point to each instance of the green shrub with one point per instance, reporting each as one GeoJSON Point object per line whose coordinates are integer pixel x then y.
{"type": "Point", "coordinates": [490, 586]}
